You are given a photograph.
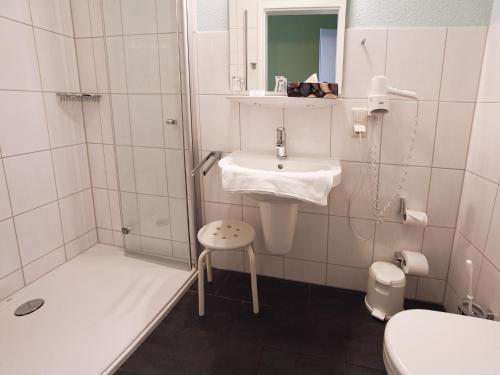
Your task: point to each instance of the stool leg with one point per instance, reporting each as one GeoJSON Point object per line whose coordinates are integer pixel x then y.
{"type": "Point", "coordinates": [201, 282]}
{"type": "Point", "coordinates": [208, 261]}
{"type": "Point", "coordinates": [253, 276]}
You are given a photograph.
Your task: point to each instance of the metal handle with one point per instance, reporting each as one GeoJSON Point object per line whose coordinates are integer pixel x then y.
{"type": "Point", "coordinates": [215, 154]}
{"type": "Point", "coordinates": [171, 121]}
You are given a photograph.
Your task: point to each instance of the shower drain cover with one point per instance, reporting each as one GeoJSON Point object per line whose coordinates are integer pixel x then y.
{"type": "Point", "coordinates": [29, 307]}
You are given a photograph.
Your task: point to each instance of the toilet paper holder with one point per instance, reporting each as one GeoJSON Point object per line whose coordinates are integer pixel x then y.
{"type": "Point", "coordinates": [402, 207]}
{"type": "Point", "coordinates": [399, 258]}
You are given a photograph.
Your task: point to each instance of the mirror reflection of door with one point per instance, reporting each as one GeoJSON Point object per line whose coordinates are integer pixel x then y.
{"type": "Point", "coordinates": [299, 45]}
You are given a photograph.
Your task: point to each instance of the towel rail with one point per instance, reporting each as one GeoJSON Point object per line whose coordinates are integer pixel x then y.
{"type": "Point", "coordinates": [212, 154]}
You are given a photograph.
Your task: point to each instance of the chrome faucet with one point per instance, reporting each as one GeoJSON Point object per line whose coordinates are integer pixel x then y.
{"type": "Point", "coordinates": [281, 143]}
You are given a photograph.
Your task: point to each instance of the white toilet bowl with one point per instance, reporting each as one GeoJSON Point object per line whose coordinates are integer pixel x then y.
{"type": "Point", "coordinates": [424, 342]}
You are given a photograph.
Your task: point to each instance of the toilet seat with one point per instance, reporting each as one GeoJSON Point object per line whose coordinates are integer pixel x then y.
{"type": "Point", "coordinates": [424, 342]}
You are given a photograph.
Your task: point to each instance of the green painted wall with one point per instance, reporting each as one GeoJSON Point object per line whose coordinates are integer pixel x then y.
{"type": "Point", "coordinates": [293, 45]}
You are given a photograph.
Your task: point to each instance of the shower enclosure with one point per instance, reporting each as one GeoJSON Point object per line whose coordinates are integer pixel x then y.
{"type": "Point", "coordinates": [145, 52]}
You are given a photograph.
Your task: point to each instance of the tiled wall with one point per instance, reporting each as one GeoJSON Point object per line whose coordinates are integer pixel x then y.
{"type": "Point", "coordinates": [46, 208]}
{"type": "Point", "coordinates": [130, 56]}
{"type": "Point", "coordinates": [430, 61]}
{"type": "Point", "coordinates": [478, 228]}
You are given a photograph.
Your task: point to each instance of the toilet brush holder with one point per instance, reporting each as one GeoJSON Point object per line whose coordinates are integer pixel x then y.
{"type": "Point", "coordinates": [478, 311]}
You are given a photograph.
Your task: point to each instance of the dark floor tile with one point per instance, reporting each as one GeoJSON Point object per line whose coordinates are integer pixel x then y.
{"type": "Point", "coordinates": [412, 304]}
{"type": "Point", "coordinates": [367, 354]}
{"type": "Point", "coordinates": [218, 278]}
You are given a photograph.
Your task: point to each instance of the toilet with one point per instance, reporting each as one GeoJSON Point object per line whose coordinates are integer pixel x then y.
{"type": "Point", "coordinates": [424, 342]}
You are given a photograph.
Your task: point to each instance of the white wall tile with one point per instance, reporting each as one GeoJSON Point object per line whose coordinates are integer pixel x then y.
{"type": "Point", "coordinates": [344, 145]}
{"type": "Point", "coordinates": [38, 232]}
{"type": "Point", "coordinates": [308, 272]}
{"type": "Point", "coordinates": [362, 202]}
{"type": "Point", "coordinates": [96, 17]}
{"type": "Point", "coordinates": [53, 15]}
{"type": "Point", "coordinates": [393, 237]}
{"type": "Point", "coordinates": [126, 174]}
{"type": "Point", "coordinates": [65, 121]}
{"type": "Point", "coordinates": [157, 246]}
{"type": "Point", "coordinates": [416, 188]}
{"type": "Point", "coordinates": [9, 255]}
{"type": "Point", "coordinates": [169, 64]}
{"type": "Point", "coordinates": [444, 197]}
{"type": "Point", "coordinates": [23, 128]}
{"type": "Point", "coordinates": [415, 60]}
{"type": "Point", "coordinates": [121, 119]}
{"type": "Point", "coordinates": [179, 226]}
{"type": "Point", "coordinates": [81, 18]}
{"type": "Point", "coordinates": [86, 64]}
{"type": "Point", "coordinates": [484, 152]}
{"type": "Point", "coordinates": [464, 53]}
{"type": "Point", "coordinates": [453, 134]}
{"type": "Point", "coordinates": [228, 260]}
{"type": "Point", "coordinates": [116, 62]}
{"type": "Point", "coordinates": [57, 59]}
{"type": "Point", "coordinates": [437, 247]}
{"type": "Point", "coordinates": [130, 212]}
{"type": "Point", "coordinates": [44, 265]}
{"type": "Point", "coordinates": [111, 173]}
{"type": "Point", "coordinates": [219, 123]}
{"type": "Point", "coordinates": [150, 171]}
{"type": "Point", "coordinates": [154, 216]}
{"type": "Point", "coordinates": [490, 76]}
{"type": "Point", "coordinates": [142, 64]}
{"type": "Point", "coordinates": [212, 188]}
{"type": "Point", "coordinates": [112, 17]}
{"type": "Point", "coordinates": [457, 276]}
{"type": "Point", "coordinates": [18, 10]}
{"type": "Point", "coordinates": [251, 215]}
{"type": "Point", "coordinates": [105, 236]}
{"type": "Point", "coordinates": [5, 210]}
{"type": "Point", "coordinates": [71, 167]}
{"type": "Point", "coordinates": [363, 61]}
{"type": "Point", "coordinates": [266, 265]}
{"type": "Point", "coordinates": [114, 203]}
{"type": "Point", "coordinates": [311, 236]}
{"type": "Point", "coordinates": [101, 69]}
{"type": "Point", "coordinates": [258, 128]}
{"type": "Point", "coordinates": [19, 66]}
{"type": "Point", "coordinates": [476, 206]}
{"type": "Point", "coordinates": [102, 211]}
{"type": "Point", "coordinates": [138, 18]}
{"type": "Point", "coordinates": [213, 73]}
{"type": "Point", "coordinates": [488, 288]}
{"type": "Point", "coordinates": [146, 120]}
{"type": "Point", "coordinates": [347, 277]}
{"type": "Point", "coordinates": [77, 214]}
{"type": "Point", "coordinates": [166, 13]}
{"type": "Point", "coordinates": [218, 211]}
{"type": "Point", "coordinates": [397, 130]}
{"type": "Point", "coordinates": [106, 119]}
{"type": "Point", "coordinates": [97, 165]}
{"type": "Point", "coordinates": [30, 179]}
{"type": "Point", "coordinates": [344, 248]}
{"type": "Point", "coordinates": [430, 290]}
{"type": "Point", "coordinates": [172, 107]}
{"type": "Point", "coordinates": [493, 243]}
{"type": "Point", "coordinates": [451, 300]}
{"type": "Point", "coordinates": [81, 244]}
{"type": "Point", "coordinates": [308, 131]}
{"type": "Point", "coordinates": [176, 173]}
{"type": "Point", "coordinates": [10, 284]}
{"type": "Point", "coordinates": [92, 118]}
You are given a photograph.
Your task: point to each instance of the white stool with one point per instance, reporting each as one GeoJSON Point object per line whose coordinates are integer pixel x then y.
{"type": "Point", "coordinates": [225, 235]}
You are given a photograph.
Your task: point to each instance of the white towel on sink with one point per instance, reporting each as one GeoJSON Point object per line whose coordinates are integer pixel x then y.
{"type": "Point", "coordinates": [312, 187]}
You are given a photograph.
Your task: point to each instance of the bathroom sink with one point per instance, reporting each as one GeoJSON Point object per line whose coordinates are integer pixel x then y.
{"type": "Point", "coordinates": [279, 185]}
{"type": "Point", "coordinates": [266, 177]}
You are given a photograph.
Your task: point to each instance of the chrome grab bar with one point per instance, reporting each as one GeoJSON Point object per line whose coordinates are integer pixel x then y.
{"type": "Point", "coordinates": [215, 154]}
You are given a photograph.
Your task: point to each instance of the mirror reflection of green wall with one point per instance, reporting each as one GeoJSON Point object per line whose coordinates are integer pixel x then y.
{"type": "Point", "coordinates": [293, 44]}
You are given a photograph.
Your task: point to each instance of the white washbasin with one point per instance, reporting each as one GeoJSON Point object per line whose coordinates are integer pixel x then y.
{"type": "Point", "coordinates": [303, 179]}
{"type": "Point", "coordinates": [279, 185]}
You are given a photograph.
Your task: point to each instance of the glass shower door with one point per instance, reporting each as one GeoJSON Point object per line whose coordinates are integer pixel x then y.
{"type": "Point", "coordinates": [144, 55]}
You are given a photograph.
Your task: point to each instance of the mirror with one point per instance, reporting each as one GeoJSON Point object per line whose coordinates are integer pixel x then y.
{"type": "Point", "coordinates": [290, 38]}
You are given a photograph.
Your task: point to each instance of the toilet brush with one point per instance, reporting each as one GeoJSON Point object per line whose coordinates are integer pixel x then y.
{"type": "Point", "coordinates": [469, 267]}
